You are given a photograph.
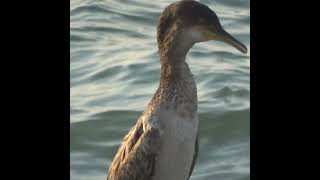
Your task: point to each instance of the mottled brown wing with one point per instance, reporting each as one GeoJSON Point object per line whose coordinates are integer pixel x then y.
{"type": "Point", "coordinates": [195, 156]}
{"type": "Point", "coordinates": [135, 159]}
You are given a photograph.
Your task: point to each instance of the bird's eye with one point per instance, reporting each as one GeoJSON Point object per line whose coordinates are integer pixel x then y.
{"type": "Point", "coordinates": [201, 21]}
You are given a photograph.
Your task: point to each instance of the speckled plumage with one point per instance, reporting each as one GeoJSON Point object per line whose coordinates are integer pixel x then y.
{"type": "Point", "coordinates": [178, 96]}
{"type": "Point", "coordinates": [164, 144]}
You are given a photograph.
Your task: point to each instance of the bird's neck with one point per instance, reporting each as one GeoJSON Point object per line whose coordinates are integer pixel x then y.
{"type": "Point", "coordinates": [174, 68]}
{"type": "Point", "coordinates": [177, 86]}
{"type": "Point", "coordinates": [173, 52]}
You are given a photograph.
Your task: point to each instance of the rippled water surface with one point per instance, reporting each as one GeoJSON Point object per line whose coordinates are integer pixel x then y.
{"type": "Point", "coordinates": [115, 71]}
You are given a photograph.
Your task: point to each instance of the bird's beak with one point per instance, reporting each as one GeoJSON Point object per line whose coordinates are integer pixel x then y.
{"type": "Point", "coordinates": [222, 35]}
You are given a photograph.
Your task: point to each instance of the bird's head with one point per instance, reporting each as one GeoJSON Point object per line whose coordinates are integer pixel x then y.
{"type": "Point", "coordinates": [191, 22]}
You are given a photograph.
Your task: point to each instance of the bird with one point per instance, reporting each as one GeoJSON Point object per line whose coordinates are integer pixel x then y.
{"type": "Point", "coordinates": [164, 142]}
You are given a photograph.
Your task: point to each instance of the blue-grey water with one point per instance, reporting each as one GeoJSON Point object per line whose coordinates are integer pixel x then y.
{"type": "Point", "coordinates": [114, 71]}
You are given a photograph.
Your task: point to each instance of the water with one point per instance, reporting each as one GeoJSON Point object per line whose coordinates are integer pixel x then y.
{"type": "Point", "coordinates": [115, 71]}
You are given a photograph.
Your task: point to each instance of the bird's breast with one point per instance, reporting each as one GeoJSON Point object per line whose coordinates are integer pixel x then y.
{"type": "Point", "coordinates": [178, 136]}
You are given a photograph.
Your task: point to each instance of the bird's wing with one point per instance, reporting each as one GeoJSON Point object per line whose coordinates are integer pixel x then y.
{"type": "Point", "coordinates": [195, 156]}
{"type": "Point", "coordinates": [136, 156]}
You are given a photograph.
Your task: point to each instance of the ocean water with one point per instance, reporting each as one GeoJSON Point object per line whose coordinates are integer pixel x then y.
{"type": "Point", "coordinates": [114, 72]}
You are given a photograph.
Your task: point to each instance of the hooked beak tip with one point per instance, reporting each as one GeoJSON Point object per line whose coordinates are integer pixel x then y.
{"type": "Point", "coordinates": [227, 38]}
